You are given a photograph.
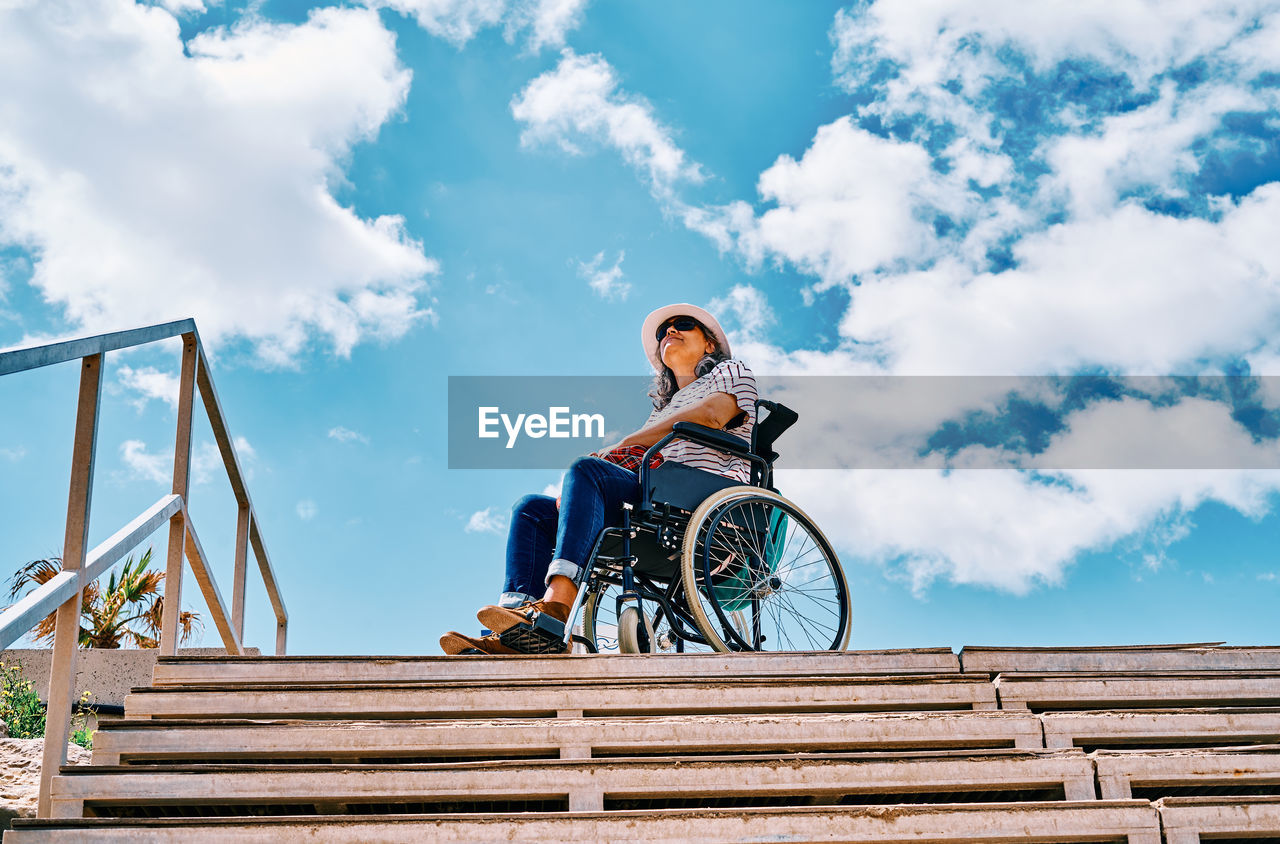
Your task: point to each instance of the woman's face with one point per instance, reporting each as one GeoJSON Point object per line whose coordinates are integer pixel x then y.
{"type": "Point", "coordinates": [681, 350]}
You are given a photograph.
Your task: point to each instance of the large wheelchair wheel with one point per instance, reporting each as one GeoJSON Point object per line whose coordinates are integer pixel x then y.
{"type": "Point", "coordinates": [759, 575]}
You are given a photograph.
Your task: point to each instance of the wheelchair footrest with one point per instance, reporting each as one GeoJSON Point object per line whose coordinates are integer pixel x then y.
{"type": "Point", "coordinates": [544, 634]}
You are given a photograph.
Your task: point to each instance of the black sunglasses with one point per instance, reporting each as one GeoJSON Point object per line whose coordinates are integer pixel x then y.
{"type": "Point", "coordinates": [680, 323]}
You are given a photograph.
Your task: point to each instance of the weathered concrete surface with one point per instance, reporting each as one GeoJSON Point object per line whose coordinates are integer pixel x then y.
{"type": "Point", "coordinates": [107, 674]}
{"type": "Point", "coordinates": [1161, 728]}
{"type": "Point", "coordinates": [345, 736]}
{"type": "Point", "coordinates": [396, 669]}
{"type": "Point", "coordinates": [1121, 771]}
{"type": "Point", "coordinates": [1129, 659]}
{"type": "Point", "coordinates": [1186, 818]}
{"type": "Point", "coordinates": [20, 775]}
{"type": "Point", "coordinates": [588, 784]}
{"type": "Point", "coordinates": [541, 698]}
{"type": "Point", "coordinates": [565, 737]}
{"type": "Point", "coordinates": [1115, 691]}
{"type": "Point", "coordinates": [1132, 821]}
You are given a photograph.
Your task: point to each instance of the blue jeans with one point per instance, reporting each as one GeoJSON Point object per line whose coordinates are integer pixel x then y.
{"type": "Point", "coordinates": [544, 541]}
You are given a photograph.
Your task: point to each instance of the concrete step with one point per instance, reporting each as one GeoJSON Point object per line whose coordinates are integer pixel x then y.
{"type": "Point", "coordinates": [577, 785]}
{"type": "Point", "coordinates": [536, 698]}
{"type": "Point", "coordinates": [1161, 728]}
{"type": "Point", "coordinates": [273, 741]}
{"type": "Point", "coordinates": [872, 745]}
{"type": "Point", "coordinates": [1130, 821]}
{"type": "Point", "coordinates": [1128, 659]}
{"type": "Point", "coordinates": [330, 670]}
{"type": "Point", "coordinates": [1152, 774]}
{"type": "Point", "coordinates": [1186, 819]}
{"type": "Point", "coordinates": [1061, 691]}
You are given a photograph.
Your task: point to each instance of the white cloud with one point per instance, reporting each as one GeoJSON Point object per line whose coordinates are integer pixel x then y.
{"type": "Point", "coordinates": [13, 454]}
{"type": "Point", "coordinates": [547, 22]}
{"type": "Point", "coordinates": [488, 520]}
{"type": "Point", "coordinates": [346, 435]}
{"type": "Point", "coordinates": [852, 204]}
{"type": "Point", "coordinates": [245, 451]}
{"type": "Point", "coordinates": [999, 528]}
{"type": "Point", "coordinates": [1133, 292]}
{"type": "Point", "coordinates": [1097, 280]}
{"type": "Point", "coordinates": [1150, 147]}
{"type": "Point", "coordinates": [307, 509]}
{"type": "Point", "coordinates": [856, 204]}
{"type": "Point", "coordinates": [938, 64]}
{"type": "Point", "coordinates": [185, 7]}
{"type": "Point", "coordinates": [581, 99]}
{"type": "Point", "coordinates": [607, 282]}
{"type": "Point", "coordinates": [550, 20]}
{"type": "Point", "coordinates": [1191, 433]}
{"type": "Point", "coordinates": [454, 20]}
{"type": "Point", "coordinates": [148, 467]}
{"type": "Point", "coordinates": [1139, 38]}
{"type": "Point", "coordinates": [197, 180]}
{"type": "Point", "coordinates": [1003, 528]}
{"type": "Point", "coordinates": [206, 461]}
{"type": "Point", "coordinates": [554, 489]}
{"type": "Point", "coordinates": [150, 383]}
{"type": "Point", "coordinates": [750, 309]}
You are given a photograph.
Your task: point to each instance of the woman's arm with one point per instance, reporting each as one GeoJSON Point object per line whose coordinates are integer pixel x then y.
{"type": "Point", "coordinates": [714, 411]}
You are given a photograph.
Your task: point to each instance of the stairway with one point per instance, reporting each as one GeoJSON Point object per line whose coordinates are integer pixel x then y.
{"type": "Point", "coordinates": [1142, 745]}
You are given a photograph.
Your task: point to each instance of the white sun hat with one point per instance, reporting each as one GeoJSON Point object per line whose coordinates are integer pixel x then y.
{"type": "Point", "coordinates": [649, 331]}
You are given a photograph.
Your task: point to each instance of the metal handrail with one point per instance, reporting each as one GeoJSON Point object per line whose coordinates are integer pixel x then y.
{"type": "Point", "coordinates": [34, 357]}
{"type": "Point", "coordinates": [36, 604]}
{"type": "Point", "coordinates": [62, 593]}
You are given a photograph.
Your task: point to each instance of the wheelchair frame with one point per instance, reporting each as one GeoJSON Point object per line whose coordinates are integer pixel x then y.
{"type": "Point", "coordinates": [667, 521]}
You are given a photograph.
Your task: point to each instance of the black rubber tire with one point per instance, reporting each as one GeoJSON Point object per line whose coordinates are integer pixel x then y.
{"type": "Point", "coordinates": [732, 628]}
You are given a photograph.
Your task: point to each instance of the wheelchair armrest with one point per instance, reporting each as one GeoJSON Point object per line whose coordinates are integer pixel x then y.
{"type": "Point", "coordinates": [700, 434]}
{"type": "Point", "coordinates": [713, 437]}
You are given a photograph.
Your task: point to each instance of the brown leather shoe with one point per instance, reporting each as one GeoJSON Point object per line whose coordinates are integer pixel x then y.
{"type": "Point", "coordinates": [502, 619]}
{"type": "Point", "coordinates": [456, 644]}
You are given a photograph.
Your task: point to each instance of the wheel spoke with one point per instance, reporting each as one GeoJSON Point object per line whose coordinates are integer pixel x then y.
{"type": "Point", "coordinates": [756, 553]}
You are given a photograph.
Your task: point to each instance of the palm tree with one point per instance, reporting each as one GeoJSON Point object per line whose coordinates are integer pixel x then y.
{"type": "Point", "coordinates": [127, 611]}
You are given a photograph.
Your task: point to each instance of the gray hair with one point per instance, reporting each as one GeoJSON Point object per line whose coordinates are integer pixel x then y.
{"type": "Point", "coordinates": [664, 383]}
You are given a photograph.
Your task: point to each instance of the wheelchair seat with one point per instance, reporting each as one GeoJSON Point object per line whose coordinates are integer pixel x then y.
{"type": "Point", "coordinates": [684, 487]}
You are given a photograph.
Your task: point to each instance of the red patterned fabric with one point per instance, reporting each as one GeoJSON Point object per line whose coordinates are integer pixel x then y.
{"type": "Point", "coordinates": [629, 457]}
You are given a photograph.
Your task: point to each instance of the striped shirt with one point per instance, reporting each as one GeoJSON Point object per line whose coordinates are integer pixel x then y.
{"type": "Point", "coordinates": [729, 376]}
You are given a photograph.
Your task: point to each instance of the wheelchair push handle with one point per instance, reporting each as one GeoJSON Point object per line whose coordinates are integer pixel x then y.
{"type": "Point", "coordinates": [777, 419]}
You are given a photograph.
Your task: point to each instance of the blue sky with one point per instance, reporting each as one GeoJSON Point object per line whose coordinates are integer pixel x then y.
{"type": "Point", "coordinates": [357, 201]}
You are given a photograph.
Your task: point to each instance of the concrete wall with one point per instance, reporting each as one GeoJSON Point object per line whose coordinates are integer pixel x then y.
{"type": "Point", "coordinates": [107, 674]}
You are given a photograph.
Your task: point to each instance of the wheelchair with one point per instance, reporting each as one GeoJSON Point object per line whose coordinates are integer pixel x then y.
{"type": "Point", "coordinates": [704, 563]}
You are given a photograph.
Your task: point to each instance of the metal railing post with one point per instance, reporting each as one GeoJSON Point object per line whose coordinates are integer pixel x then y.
{"type": "Point", "coordinates": [238, 576]}
{"type": "Point", "coordinates": [169, 626]}
{"type": "Point", "coordinates": [63, 595]}
{"type": "Point", "coordinates": [62, 669]}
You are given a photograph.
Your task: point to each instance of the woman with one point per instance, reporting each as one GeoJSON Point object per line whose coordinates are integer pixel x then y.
{"type": "Point", "coordinates": [549, 541]}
